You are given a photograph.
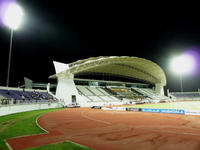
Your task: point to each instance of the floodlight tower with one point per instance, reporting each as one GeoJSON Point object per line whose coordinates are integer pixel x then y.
{"type": "Point", "coordinates": [12, 19]}
{"type": "Point", "coordinates": [182, 64]}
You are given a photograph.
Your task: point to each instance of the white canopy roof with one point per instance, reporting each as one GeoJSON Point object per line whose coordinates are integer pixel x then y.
{"type": "Point", "coordinates": [132, 67]}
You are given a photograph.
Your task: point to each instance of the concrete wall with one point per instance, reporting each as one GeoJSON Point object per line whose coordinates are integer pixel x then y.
{"type": "Point", "coordinates": [66, 88]}
{"type": "Point", "coordinates": [11, 109]}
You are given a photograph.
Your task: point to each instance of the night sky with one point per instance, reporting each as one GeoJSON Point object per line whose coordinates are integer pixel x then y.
{"type": "Point", "coordinates": [66, 32]}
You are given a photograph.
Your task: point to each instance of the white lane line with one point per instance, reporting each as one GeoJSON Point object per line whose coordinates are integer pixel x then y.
{"type": "Point", "coordinates": [87, 117]}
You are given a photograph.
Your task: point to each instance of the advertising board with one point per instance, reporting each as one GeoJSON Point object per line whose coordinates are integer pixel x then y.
{"type": "Point", "coordinates": [170, 111]}
{"type": "Point", "coordinates": [192, 112]}
{"type": "Point", "coordinates": [133, 109]}
{"type": "Point", "coordinates": [106, 108]}
{"type": "Point", "coordinates": [119, 108]}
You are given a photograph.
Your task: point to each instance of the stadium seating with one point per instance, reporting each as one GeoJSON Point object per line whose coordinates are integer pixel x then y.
{"type": "Point", "coordinates": [97, 94]}
{"type": "Point", "coordinates": [186, 95]}
{"type": "Point", "coordinates": [21, 96]}
{"type": "Point", "coordinates": [147, 92]}
{"type": "Point", "coordinates": [119, 94]}
{"type": "Point", "coordinates": [85, 91]}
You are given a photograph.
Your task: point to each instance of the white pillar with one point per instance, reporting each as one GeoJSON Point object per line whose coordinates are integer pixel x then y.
{"type": "Point", "coordinates": [159, 89]}
{"type": "Point", "coordinates": [48, 87]}
{"type": "Point", "coordinates": [66, 88]}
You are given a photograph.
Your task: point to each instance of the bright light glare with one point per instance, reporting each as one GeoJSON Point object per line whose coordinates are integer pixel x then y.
{"type": "Point", "coordinates": [183, 64]}
{"type": "Point", "coordinates": [13, 16]}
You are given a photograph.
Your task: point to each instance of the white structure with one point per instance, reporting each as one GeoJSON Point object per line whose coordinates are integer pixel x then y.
{"type": "Point", "coordinates": [131, 67]}
{"type": "Point", "coordinates": [65, 87]}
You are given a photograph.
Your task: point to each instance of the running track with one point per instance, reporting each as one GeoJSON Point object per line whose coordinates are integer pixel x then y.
{"type": "Point", "coordinates": [114, 130]}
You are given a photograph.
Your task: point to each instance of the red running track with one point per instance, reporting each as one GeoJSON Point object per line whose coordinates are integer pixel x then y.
{"type": "Point", "coordinates": [114, 130]}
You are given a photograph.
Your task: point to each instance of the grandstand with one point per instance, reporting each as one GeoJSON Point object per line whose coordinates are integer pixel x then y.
{"type": "Point", "coordinates": [14, 100]}
{"type": "Point", "coordinates": [130, 80]}
{"type": "Point", "coordinates": [97, 94]}
{"type": "Point", "coordinates": [185, 96]}
{"type": "Point", "coordinates": [24, 96]}
{"type": "Point", "coordinates": [146, 81]}
{"type": "Point", "coordinates": [150, 93]}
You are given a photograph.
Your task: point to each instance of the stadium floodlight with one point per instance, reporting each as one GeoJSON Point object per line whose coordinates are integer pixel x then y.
{"type": "Point", "coordinates": [182, 64]}
{"type": "Point", "coordinates": [12, 18]}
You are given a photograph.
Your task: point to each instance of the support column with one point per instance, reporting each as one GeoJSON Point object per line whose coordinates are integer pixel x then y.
{"type": "Point", "coordinates": [66, 88]}
{"type": "Point", "coordinates": [159, 89]}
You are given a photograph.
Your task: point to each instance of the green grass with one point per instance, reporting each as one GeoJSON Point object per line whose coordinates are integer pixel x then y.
{"type": "Point", "coordinates": [62, 146]}
{"type": "Point", "coordinates": [190, 105]}
{"type": "Point", "coordinates": [21, 124]}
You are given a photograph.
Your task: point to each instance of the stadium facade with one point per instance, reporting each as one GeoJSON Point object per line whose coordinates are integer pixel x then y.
{"type": "Point", "coordinates": [128, 67]}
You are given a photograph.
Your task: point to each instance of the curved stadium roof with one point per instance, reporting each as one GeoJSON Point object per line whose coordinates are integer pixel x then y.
{"type": "Point", "coordinates": [131, 67]}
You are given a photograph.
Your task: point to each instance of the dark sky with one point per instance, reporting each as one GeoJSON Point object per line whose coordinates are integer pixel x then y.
{"type": "Point", "coordinates": [66, 32]}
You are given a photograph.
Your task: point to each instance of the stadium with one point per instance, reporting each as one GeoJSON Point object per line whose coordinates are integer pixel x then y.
{"type": "Point", "coordinates": [122, 106]}
{"type": "Point", "coordinates": [88, 99]}
{"type": "Point", "coordinates": [125, 67]}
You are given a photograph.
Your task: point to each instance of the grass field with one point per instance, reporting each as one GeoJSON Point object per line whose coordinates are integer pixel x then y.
{"type": "Point", "coordinates": [189, 105]}
{"type": "Point", "coordinates": [21, 124]}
